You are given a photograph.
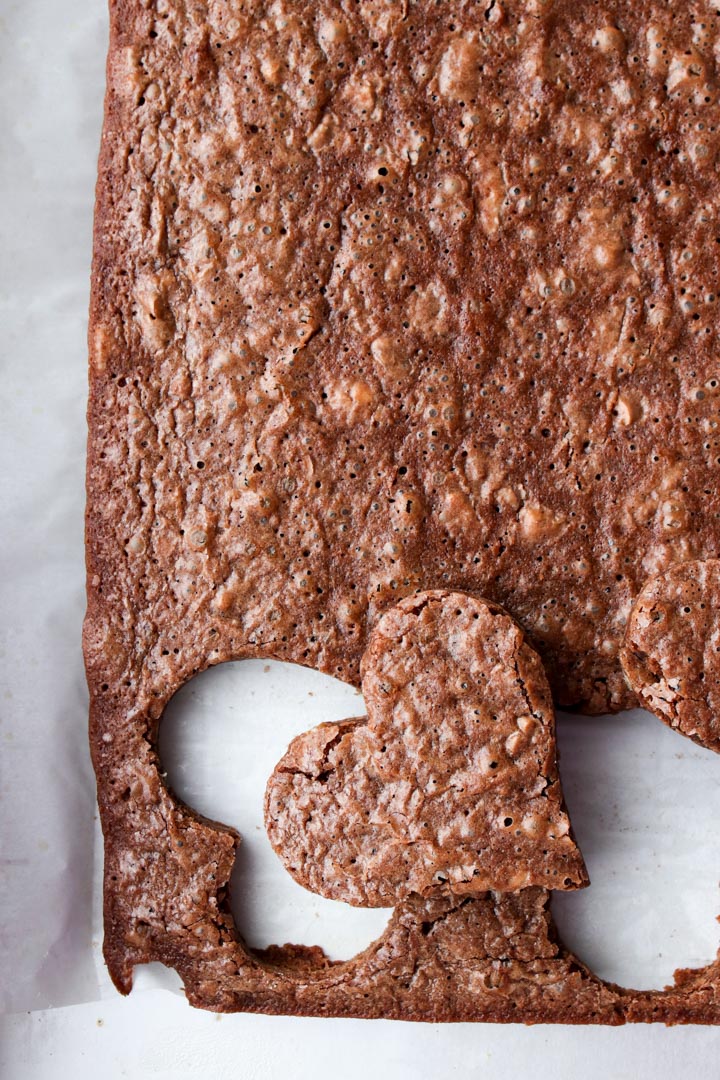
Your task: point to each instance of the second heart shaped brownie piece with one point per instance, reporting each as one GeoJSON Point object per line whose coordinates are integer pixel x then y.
{"type": "Point", "coordinates": [450, 784]}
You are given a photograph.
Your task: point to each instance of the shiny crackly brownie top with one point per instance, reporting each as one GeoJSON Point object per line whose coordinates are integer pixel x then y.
{"type": "Point", "coordinates": [394, 297]}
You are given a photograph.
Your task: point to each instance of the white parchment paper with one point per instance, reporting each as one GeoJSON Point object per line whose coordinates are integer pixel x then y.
{"type": "Point", "coordinates": [645, 802]}
{"type": "Point", "coordinates": [51, 71]}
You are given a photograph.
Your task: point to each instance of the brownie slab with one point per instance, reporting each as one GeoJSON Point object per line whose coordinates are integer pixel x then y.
{"type": "Point", "coordinates": [387, 298]}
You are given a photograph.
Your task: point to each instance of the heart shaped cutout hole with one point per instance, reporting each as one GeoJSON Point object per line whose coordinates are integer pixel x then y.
{"type": "Point", "coordinates": [644, 802]}
{"type": "Point", "coordinates": [219, 738]}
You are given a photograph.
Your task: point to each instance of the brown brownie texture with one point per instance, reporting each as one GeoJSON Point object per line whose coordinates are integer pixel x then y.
{"type": "Point", "coordinates": [671, 654]}
{"type": "Point", "coordinates": [388, 298]}
{"type": "Point", "coordinates": [450, 787]}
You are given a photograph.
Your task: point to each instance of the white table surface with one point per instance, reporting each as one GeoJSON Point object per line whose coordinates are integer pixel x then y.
{"type": "Point", "coordinates": [654, 893]}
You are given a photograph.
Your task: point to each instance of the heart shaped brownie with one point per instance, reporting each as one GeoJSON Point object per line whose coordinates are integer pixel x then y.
{"type": "Point", "coordinates": [450, 784]}
{"type": "Point", "coordinates": [671, 653]}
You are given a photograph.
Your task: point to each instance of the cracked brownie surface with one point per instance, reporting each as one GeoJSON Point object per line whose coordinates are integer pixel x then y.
{"type": "Point", "coordinates": [389, 297]}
